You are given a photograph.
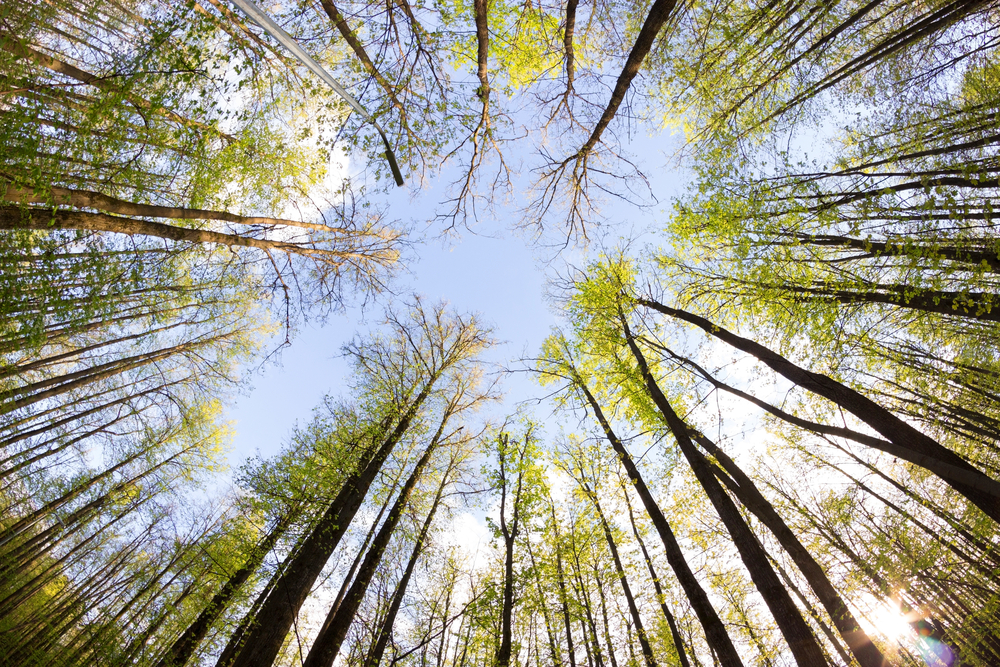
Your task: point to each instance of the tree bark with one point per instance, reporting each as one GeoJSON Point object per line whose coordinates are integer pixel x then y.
{"type": "Point", "coordinates": [795, 630]}
{"type": "Point", "coordinates": [12, 217]}
{"type": "Point", "coordinates": [910, 443]}
{"type": "Point", "coordinates": [374, 657]}
{"type": "Point", "coordinates": [327, 644]}
{"type": "Point", "coordinates": [59, 196]}
{"type": "Point", "coordinates": [983, 306]}
{"type": "Point", "coordinates": [563, 595]}
{"type": "Point", "coordinates": [975, 256]}
{"type": "Point", "coordinates": [509, 531]}
{"type": "Point", "coordinates": [647, 651]}
{"type": "Point", "coordinates": [651, 27]}
{"type": "Point", "coordinates": [674, 632]}
{"type": "Point", "coordinates": [180, 651]}
{"type": "Point", "coordinates": [865, 652]}
{"type": "Point", "coordinates": [276, 615]}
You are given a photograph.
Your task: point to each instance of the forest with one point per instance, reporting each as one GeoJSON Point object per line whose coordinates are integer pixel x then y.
{"type": "Point", "coordinates": [765, 431]}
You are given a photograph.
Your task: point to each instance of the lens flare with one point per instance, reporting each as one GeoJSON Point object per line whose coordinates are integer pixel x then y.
{"type": "Point", "coordinates": [908, 630]}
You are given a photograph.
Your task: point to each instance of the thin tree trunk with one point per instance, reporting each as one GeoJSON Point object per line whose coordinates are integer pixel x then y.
{"type": "Point", "coordinates": [563, 595]}
{"type": "Point", "coordinates": [865, 652]}
{"type": "Point", "coordinates": [556, 658]}
{"type": "Point", "coordinates": [374, 658]}
{"type": "Point", "coordinates": [13, 217]}
{"type": "Point", "coordinates": [181, 651]}
{"type": "Point", "coordinates": [647, 651]}
{"type": "Point", "coordinates": [715, 631]}
{"type": "Point", "coordinates": [661, 598]}
{"type": "Point", "coordinates": [327, 644]}
{"type": "Point", "coordinates": [60, 196]}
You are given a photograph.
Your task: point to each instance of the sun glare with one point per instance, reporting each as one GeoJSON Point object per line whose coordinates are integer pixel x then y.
{"type": "Point", "coordinates": [890, 622]}
{"type": "Point", "coordinates": [906, 630]}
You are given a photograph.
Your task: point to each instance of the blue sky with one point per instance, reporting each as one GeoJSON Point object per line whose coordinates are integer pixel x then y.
{"type": "Point", "coordinates": [499, 274]}
{"type": "Point", "coordinates": [499, 279]}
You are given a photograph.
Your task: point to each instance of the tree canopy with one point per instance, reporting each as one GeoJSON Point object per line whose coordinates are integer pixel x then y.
{"type": "Point", "coordinates": [765, 432]}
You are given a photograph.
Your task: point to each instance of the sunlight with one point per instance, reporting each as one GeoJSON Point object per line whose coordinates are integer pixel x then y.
{"type": "Point", "coordinates": [890, 621]}
{"type": "Point", "coordinates": [909, 630]}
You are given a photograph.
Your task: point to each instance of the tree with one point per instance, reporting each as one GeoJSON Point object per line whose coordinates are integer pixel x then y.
{"type": "Point", "coordinates": [422, 349]}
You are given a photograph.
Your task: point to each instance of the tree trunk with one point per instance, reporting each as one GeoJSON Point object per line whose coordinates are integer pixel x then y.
{"type": "Point", "coordinates": [659, 12]}
{"type": "Point", "coordinates": [563, 595]}
{"type": "Point", "coordinates": [327, 644]}
{"type": "Point", "coordinates": [865, 652]}
{"type": "Point", "coordinates": [715, 631]}
{"type": "Point", "coordinates": [911, 444]}
{"type": "Point", "coordinates": [647, 651]}
{"type": "Point", "coordinates": [385, 632]}
{"type": "Point", "coordinates": [796, 631]}
{"type": "Point", "coordinates": [276, 615]}
{"type": "Point", "coordinates": [180, 651]}
{"type": "Point", "coordinates": [13, 217]}
{"type": "Point", "coordinates": [661, 598]}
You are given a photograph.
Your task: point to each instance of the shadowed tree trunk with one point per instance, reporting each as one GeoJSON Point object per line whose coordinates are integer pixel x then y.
{"type": "Point", "coordinates": [674, 632]}
{"type": "Point", "coordinates": [715, 631]}
{"type": "Point", "coordinates": [563, 595]}
{"type": "Point", "coordinates": [647, 651]}
{"type": "Point", "coordinates": [865, 652]}
{"type": "Point", "coordinates": [327, 644]}
{"type": "Point", "coordinates": [795, 630]}
{"type": "Point", "coordinates": [180, 651]}
{"type": "Point", "coordinates": [911, 444]}
{"type": "Point", "coordinates": [275, 617]}
{"type": "Point", "coordinates": [385, 632]}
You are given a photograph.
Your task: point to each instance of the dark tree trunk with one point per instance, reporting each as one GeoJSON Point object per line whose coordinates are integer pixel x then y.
{"type": "Point", "coordinates": [866, 653]}
{"type": "Point", "coordinates": [659, 12]}
{"type": "Point", "coordinates": [563, 595]}
{"type": "Point", "coordinates": [911, 444]}
{"type": "Point", "coordinates": [385, 632]}
{"type": "Point", "coordinates": [796, 631]}
{"type": "Point", "coordinates": [983, 306]}
{"type": "Point", "coordinates": [674, 632]}
{"type": "Point", "coordinates": [264, 639]}
{"type": "Point", "coordinates": [715, 631]}
{"type": "Point", "coordinates": [327, 644]}
{"type": "Point", "coordinates": [647, 651]}
{"type": "Point", "coordinates": [180, 651]}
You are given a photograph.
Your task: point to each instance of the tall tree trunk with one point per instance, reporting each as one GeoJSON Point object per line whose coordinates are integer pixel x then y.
{"type": "Point", "coordinates": [180, 651]}
{"type": "Point", "coordinates": [326, 646]}
{"type": "Point", "coordinates": [911, 444]}
{"type": "Point", "coordinates": [264, 639]}
{"type": "Point", "coordinates": [796, 631]}
{"type": "Point", "coordinates": [385, 632]}
{"type": "Point", "coordinates": [510, 529]}
{"type": "Point", "coordinates": [715, 631]}
{"type": "Point", "coordinates": [563, 595]}
{"type": "Point", "coordinates": [983, 306]}
{"type": "Point", "coordinates": [591, 642]}
{"type": "Point", "coordinates": [604, 617]}
{"type": "Point", "coordinates": [13, 217]}
{"type": "Point", "coordinates": [555, 658]}
{"type": "Point", "coordinates": [865, 652]}
{"type": "Point", "coordinates": [659, 12]}
{"type": "Point", "coordinates": [647, 651]}
{"type": "Point", "coordinates": [661, 598]}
